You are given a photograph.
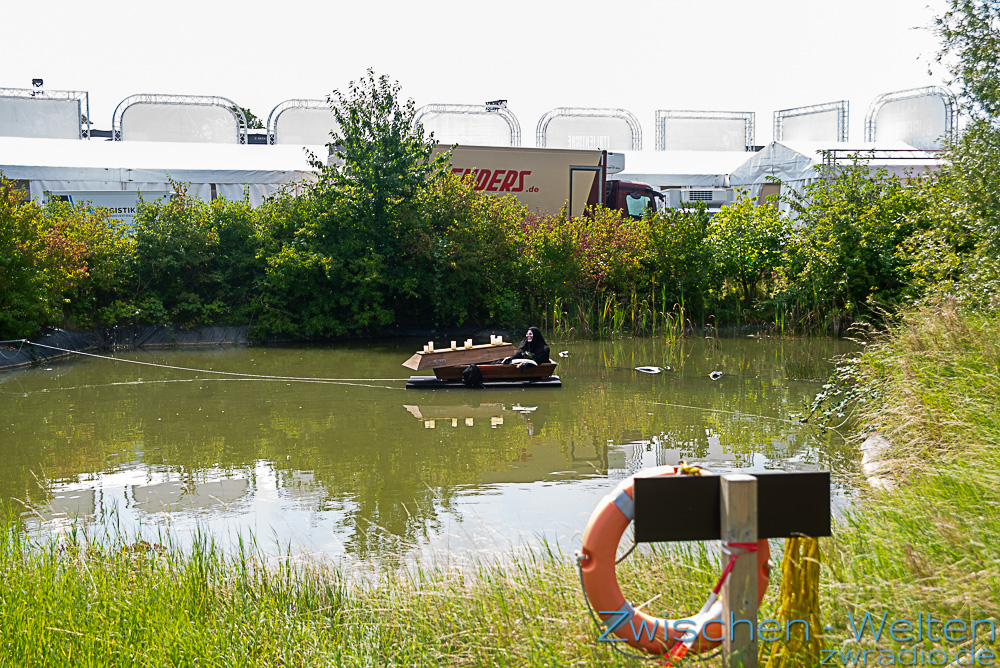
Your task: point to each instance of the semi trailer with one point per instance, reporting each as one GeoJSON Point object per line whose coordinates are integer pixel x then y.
{"type": "Point", "coordinates": [547, 179]}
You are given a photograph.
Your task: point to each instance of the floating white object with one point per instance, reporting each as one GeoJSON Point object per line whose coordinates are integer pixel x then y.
{"type": "Point", "coordinates": [715, 375]}
{"type": "Point", "coordinates": [564, 353]}
{"type": "Point", "coordinates": [649, 369]}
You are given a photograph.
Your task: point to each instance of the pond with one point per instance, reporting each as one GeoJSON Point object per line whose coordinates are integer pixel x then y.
{"type": "Point", "coordinates": [367, 471]}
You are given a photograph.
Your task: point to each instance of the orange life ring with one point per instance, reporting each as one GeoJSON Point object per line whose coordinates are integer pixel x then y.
{"type": "Point", "coordinates": [655, 635]}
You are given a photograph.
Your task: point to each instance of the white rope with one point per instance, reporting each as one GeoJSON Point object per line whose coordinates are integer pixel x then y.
{"type": "Point", "coordinates": [51, 390]}
{"type": "Point", "coordinates": [222, 373]}
{"type": "Point", "coordinates": [16, 352]}
{"type": "Point", "coordinates": [725, 412]}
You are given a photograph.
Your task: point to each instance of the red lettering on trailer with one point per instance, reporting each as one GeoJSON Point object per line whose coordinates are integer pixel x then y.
{"type": "Point", "coordinates": [501, 180]}
{"type": "Point", "coordinates": [508, 181]}
{"type": "Point", "coordinates": [520, 182]}
{"type": "Point", "coordinates": [495, 181]}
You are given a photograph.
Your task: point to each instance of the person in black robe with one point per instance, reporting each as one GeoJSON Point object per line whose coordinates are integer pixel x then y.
{"type": "Point", "coordinates": [532, 348]}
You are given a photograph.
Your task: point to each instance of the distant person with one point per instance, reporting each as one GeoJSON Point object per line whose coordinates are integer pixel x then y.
{"type": "Point", "coordinates": [532, 348]}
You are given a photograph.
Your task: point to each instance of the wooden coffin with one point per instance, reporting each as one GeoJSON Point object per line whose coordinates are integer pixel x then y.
{"type": "Point", "coordinates": [460, 357]}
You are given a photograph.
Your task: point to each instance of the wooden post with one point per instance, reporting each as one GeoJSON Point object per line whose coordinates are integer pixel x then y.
{"type": "Point", "coordinates": [739, 593]}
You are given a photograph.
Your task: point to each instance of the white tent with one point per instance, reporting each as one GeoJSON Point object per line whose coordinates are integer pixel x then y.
{"type": "Point", "coordinates": [211, 170]}
{"type": "Point", "coordinates": [796, 163]}
{"type": "Point", "coordinates": [679, 169]}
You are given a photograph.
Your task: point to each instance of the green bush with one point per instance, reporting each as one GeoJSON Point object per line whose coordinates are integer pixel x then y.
{"type": "Point", "coordinates": [194, 262]}
{"type": "Point", "coordinates": [467, 253]}
{"type": "Point", "coordinates": [679, 260]}
{"type": "Point", "coordinates": [843, 258]}
{"type": "Point", "coordinates": [42, 259]}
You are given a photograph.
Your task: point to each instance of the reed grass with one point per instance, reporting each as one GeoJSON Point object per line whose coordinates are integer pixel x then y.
{"type": "Point", "coordinates": [112, 603]}
{"type": "Point", "coordinates": [608, 315]}
{"type": "Point", "coordinates": [932, 545]}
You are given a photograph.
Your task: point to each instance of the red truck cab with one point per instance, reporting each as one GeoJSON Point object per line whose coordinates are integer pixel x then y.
{"type": "Point", "coordinates": [632, 198]}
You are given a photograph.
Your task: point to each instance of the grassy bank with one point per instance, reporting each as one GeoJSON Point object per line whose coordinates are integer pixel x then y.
{"type": "Point", "coordinates": [132, 604]}
{"type": "Point", "coordinates": [933, 545]}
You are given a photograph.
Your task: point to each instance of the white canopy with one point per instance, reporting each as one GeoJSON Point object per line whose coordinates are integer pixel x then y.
{"type": "Point", "coordinates": [795, 163]}
{"type": "Point", "coordinates": [228, 169]}
{"type": "Point", "coordinates": [676, 169]}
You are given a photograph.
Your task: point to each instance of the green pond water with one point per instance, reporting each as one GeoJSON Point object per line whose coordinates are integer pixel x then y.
{"type": "Point", "coordinates": [367, 471]}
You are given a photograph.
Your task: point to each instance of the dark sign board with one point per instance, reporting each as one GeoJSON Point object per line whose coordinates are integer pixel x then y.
{"type": "Point", "coordinates": [688, 507]}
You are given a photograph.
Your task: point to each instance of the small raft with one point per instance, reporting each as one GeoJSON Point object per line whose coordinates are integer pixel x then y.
{"type": "Point", "coordinates": [449, 365]}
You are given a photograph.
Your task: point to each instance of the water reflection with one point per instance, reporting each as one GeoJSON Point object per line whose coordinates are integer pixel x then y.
{"type": "Point", "coordinates": [367, 470]}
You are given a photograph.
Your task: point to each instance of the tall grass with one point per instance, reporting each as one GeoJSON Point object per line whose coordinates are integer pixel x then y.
{"type": "Point", "coordinates": [609, 315]}
{"type": "Point", "coordinates": [932, 546]}
{"type": "Point", "coordinates": [113, 603]}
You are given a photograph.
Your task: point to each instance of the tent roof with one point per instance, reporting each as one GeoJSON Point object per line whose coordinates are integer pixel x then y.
{"type": "Point", "coordinates": [74, 159]}
{"type": "Point", "coordinates": [797, 160]}
{"type": "Point", "coordinates": [673, 169]}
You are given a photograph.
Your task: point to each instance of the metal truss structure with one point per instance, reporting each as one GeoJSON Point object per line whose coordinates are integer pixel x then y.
{"type": "Point", "coordinates": [489, 108]}
{"type": "Point", "coordinates": [842, 107]}
{"type": "Point", "coordinates": [81, 97]}
{"type": "Point", "coordinates": [837, 155]}
{"type": "Point", "coordinates": [589, 112]}
{"type": "Point", "coordinates": [181, 100]}
{"type": "Point", "coordinates": [663, 115]}
{"type": "Point", "coordinates": [950, 109]}
{"type": "Point", "coordinates": [272, 118]}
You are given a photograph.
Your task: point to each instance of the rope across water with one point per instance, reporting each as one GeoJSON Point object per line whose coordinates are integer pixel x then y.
{"type": "Point", "coordinates": [252, 376]}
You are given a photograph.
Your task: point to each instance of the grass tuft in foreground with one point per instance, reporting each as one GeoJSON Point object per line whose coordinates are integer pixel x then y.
{"type": "Point", "coordinates": [112, 603]}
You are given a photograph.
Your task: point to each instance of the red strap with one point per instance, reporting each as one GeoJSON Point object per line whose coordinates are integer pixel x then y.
{"type": "Point", "coordinates": [679, 649]}
{"type": "Point", "coordinates": [747, 548]}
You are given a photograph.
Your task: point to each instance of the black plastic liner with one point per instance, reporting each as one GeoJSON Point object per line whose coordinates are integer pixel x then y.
{"type": "Point", "coordinates": [14, 355]}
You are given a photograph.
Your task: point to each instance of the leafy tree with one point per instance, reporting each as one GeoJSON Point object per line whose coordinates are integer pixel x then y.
{"type": "Point", "coordinates": [108, 254]}
{"type": "Point", "coordinates": [253, 122]}
{"type": "Point", "coordinates": [678, 258]}
{"type": "Point", "coordinates": [40, 261]}
{"type": "Point", "coordinates": [195, 262]}
{"type": "Point", "coordinates": [384, 157]}
{"type": "Point", "coordinates": [747, 242]}
{"type": "Point", "coordinates": [469, 255]}
{"type": "Point", "coordinates": [970, 45]}
{"type": "Point", "coordinates": [956, 248]}
{"type": "Point", "coordinates": [844, 257]}
{"type": "Point", "coordinates": [351, 239]}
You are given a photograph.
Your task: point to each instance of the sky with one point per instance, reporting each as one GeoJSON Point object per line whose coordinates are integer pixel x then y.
{"type": "Point", "coordinates": [641, 55]}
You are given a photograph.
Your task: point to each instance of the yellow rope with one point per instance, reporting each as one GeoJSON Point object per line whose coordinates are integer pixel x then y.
{"type": "Point", "coordinates": [690, 469]}
{"type": "Point", "coordinates": [799, 644]}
